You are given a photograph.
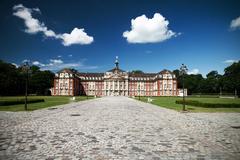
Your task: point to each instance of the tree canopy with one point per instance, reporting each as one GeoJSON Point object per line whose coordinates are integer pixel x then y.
{"type": "Point", "coordinates": [214, 82]}
{"type": "Point", "coordinates": [137, 72]}
{"type": "Point", "coordinates": [13, 79]}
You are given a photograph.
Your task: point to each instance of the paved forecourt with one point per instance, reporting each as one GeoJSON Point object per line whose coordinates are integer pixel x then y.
{"type": "Point", "coordinates": [118, 128]}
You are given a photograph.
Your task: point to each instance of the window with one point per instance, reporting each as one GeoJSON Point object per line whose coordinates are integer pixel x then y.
{"type": "Point", "coordinates": [169, 86]}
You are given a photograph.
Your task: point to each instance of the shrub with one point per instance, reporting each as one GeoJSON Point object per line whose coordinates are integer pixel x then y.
{"type": "Point", "coordinates": [208, 105]}
{"type": "Point", "coordinates": [19, 101]}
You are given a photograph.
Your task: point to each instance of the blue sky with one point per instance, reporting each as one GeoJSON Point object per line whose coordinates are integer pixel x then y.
{"type": "Point", "coordinates": [147, 35]}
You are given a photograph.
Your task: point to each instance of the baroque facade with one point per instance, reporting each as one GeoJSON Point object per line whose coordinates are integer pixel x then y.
{"type": "Point", "coordinates": [115, 82]}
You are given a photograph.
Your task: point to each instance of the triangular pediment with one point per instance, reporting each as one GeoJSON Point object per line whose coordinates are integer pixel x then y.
{"type": "Point", "coordinates": [116, 76]}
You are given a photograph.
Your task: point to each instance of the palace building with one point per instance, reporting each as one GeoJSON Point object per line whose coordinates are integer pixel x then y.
{"type": "Point", "coordinates": [115, 82]}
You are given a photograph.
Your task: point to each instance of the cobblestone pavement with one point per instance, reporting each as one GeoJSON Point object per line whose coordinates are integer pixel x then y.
{"type": "Point", "coordinates": [118, 128]}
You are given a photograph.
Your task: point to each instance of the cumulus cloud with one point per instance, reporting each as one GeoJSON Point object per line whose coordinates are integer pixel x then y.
{"type": "Point", "coordinates": [230, 61]}
{"type": "Point", "coordinates": [235, 23]}
{"type": "Point", "coordinates": [77, 36]}
{"type": "Point", "coordinates": [33, 26]}
{"type": "Point", "coordinates": [194, 71]}
{"type": "Point", "coordinates": [149, 30]}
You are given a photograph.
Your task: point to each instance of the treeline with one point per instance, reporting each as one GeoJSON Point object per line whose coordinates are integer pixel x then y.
{"type": "Point", "coordinates": [13, 80]}
{"type": "Point", "coordinates": [214, 83]}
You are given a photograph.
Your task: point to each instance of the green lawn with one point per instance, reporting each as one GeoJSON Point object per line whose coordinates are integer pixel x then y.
{"type": "Point", "coordinates": [49, 102]}
{"type": "Point", "coordinates": [169, 102]}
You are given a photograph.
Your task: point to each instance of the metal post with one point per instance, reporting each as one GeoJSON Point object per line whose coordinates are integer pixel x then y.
{"type": "Point", "coordinates": [139, 94]}
{"type": "Point", "coordinates": [183, 95]}
{"type": "Point", "coordinates": [26, 91]}
{"type": "Point", "coordinates": [87, 91]}
{"type": "Point", "coordinates": [183, 71]}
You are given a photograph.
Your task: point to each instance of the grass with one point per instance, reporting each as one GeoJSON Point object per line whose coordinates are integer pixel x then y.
{"type": "Point", "coordinates": [169, 102]}
{"type": "Point", "coordinates": [49, 102]}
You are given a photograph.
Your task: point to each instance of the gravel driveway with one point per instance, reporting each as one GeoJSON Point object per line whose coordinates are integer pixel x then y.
{"type": "Point", "coordinates": [118, 128]}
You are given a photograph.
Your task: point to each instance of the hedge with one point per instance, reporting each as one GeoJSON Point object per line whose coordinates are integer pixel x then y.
{"type": "Point", "coordinates": [209, 105]}
{"type": "Point", "coordinates": [19, 101]}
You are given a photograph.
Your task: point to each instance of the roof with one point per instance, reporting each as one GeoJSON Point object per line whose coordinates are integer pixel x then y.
{"type": "Point", "coordinates": [86, 74]}
{"type": "Point", "coordinates": [142, 74]}
{"type": "Point", "coordinates": [115, 70]}
{"type": "Point", "coordinates": [165, 71]}
{"type": "Point", "coordinates": [68, 70]}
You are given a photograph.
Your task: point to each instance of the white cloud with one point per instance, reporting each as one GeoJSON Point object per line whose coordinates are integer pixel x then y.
{"type": "Point", "coordinates": [15, 65]}
{"type": "Point", "coordinates": [194, 71]}
{"type": "Point", "coordinates": [76, 65]}
{"type": "Point", "coordinates": [70, 55]}
{"type": "Point", "coordinates": [230, 61]}
{"type": "Point", "coordinates": [26, 60]}
{"type": "Point", "coordinates": [33, 26]}
{"type": "Point", "coordinates": [149, 30]}
{"type": "Point", "coordinates": [57, 64]}
{"type": "Point", "coordinates": [59, 56]}
{"type": "Point", "coordinates": [37, 63]}
{"type": "Point", "coordinates": [235, 23]}
{"type": "Point", "coordinates": [56, 61]}
{"type": "Point", "coordinates": [77, 36]}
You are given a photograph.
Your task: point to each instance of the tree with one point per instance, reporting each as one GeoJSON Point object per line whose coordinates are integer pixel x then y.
{"type": "Point", "coordinates": [212, 83]}
{"type": "Point", "coordinates": [231, 78]}
{"type": "Point", "coordinates": [41, 81]}
{"type": "Point", "coordinates": [193, 83]}
{"type": "Point", "coordinates": [12, 80]}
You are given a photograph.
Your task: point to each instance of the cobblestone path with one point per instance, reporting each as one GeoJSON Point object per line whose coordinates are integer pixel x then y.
{"type": "Point", "coordinates": [118, 128]}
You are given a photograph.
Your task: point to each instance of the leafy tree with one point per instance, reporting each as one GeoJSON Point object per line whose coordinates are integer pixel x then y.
{"type": "Point", "coordinates": [12, 80]}
{"type": "Point", "coordinates": [193, 83]}
{"type": "Point", "coordinates": [212, 83]}
{"type": "Point", "coordinates": [137, 72]}
{"type": "Point", "coordinates": [231, 78]}
{"type": "Point", "coordinates": [41, 81]}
